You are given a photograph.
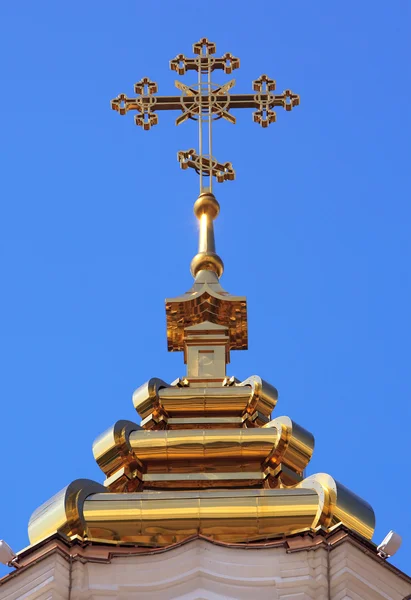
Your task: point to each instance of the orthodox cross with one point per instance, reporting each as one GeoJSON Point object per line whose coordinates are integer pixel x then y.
{"type": "Point", "coordinates": [205, 102]}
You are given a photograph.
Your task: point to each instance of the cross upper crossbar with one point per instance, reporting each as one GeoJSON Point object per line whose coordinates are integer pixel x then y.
{"type": "Point", "coordinates": [192, 102]}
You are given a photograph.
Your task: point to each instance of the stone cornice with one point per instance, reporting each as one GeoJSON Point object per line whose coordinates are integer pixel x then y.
{"type": "Point", "coordinates": [76, 550]}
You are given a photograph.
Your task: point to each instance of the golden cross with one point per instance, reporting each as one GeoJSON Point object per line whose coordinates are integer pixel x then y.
{"type": "Point", "coordinates": [205, 102]}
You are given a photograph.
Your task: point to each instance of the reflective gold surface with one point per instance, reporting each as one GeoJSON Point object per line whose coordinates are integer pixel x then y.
{"type": "Point", "coordinates": [295, 447]}
{"type": "Point", "coordinates": [250, 399]}
{"type": "Point", "coordinates": [63, 512]}
{"type": "Point", "coordinates": [112, 449]}
{"type": "Point", "coordinates": [162, 518]}
{"type": "Point", "coordinates": [193, 474]}
{"type": "Point", "coordinates": [206, 209]}
{"type": "Point", "coordinates": [207, 301]}
{"type": "Point", "coordinates": [207, 445]}
{"type": "Point", "coordinates": [339, 504]}
{"type": "Point", "coordinates": [228, 516]}
{"type": "Point", "coordinates": [209, 422]}
{"type": "Point", "coordinates": [206, 458]}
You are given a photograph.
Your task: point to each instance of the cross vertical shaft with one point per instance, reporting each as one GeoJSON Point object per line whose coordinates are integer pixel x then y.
{"type": "Point", "coordinates": [204, 116]}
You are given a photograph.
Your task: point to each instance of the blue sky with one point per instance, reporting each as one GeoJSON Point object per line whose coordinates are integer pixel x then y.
{"type": "Point", "coordinates": [97, 229]}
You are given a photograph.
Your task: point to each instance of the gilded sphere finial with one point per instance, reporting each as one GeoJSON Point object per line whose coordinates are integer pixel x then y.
{"type": "Point", "coordinates": [207, 261]}
{"type": "Point", "coordinates": [207, 204]}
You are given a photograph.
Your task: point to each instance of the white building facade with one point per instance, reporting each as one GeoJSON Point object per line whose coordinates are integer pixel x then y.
{"type": "Point", "coordinates": [321, 566]}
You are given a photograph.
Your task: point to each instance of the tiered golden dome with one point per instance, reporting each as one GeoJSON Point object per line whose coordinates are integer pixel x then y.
{"type": "Point", "coordinates": [206, 459]}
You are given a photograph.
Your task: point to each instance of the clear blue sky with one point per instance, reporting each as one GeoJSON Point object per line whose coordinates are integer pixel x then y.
{"type": "Point", "coordinates": [97, 229]}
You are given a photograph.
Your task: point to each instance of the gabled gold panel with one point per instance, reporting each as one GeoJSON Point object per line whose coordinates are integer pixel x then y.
{"type": "Point", "coordinates": [207, 301]}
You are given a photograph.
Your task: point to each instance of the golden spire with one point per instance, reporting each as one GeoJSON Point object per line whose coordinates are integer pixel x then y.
{"type": "Point", "coordinates": [206, 209]}
{"type": "Point", "coordinates": [205, 101]}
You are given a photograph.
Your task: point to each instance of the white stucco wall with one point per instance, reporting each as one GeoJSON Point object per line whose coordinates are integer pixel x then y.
{"type": "Point", "coordinates": [200, 570]}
